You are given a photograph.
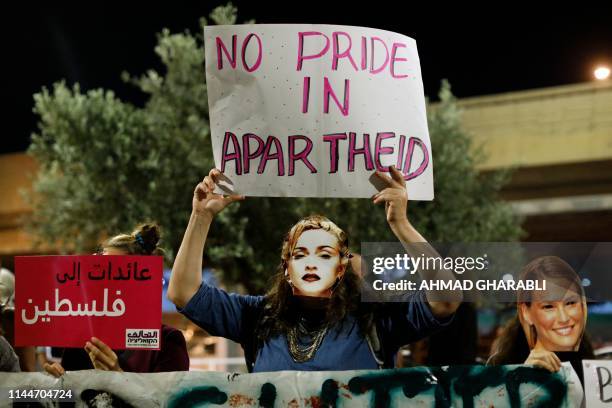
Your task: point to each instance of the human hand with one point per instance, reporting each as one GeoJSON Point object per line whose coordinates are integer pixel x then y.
{"type": "Point", "coordinates": [55, 369]}
{"type": "Point", "coordinates": [101, 356]}
{"type": "Point", "coordinates": [208, 203]}
{"type": "Point", "coordinates": [545, 359]}
{"type": "Point", "coordinates": [394, 196]}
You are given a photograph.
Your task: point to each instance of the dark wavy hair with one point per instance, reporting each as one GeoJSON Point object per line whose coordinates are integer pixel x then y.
{"type": "Point", "coordinates": [280, 310]}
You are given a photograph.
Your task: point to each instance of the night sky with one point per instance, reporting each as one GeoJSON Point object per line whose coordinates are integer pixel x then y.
{"type": "Point", "coordinates": [480, 50]}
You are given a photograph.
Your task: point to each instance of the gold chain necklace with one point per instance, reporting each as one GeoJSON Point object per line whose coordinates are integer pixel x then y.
{"type": "Point", "coordinates": [299, 353]}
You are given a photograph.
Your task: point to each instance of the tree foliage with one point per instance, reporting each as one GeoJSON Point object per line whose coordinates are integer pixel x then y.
{"type": "Point", "coordinates": [106, 165]}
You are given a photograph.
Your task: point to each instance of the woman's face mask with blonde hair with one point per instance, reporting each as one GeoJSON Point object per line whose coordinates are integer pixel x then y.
{"type": "Point", "coordinates": [557, 317]}
{"type": "Point", "coordinates": [315, 264]}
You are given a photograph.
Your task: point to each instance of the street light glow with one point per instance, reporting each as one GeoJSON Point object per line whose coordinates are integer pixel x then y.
{"type": "Point", "coordinates": [602, 73]}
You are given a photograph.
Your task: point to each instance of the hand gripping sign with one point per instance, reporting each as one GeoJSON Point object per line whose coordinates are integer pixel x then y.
{"type": "Point", "coordinates": [314, 110]}
{"type": "Point", "coordinates": [65, 300]}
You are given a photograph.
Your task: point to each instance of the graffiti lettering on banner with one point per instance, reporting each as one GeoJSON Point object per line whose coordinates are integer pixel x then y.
{"type": "Point", "coordinates": [454, 386]}
{"type": "Point", "coordinates": [63, 301]}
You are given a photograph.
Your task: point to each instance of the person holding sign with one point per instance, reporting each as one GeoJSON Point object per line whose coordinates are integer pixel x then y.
{"type": "Point", "coordinates": [312, 317]}
{"type": "Point", "coordinates": [96, 354]}
{"type": "Point", "coordinates": [549, 326]}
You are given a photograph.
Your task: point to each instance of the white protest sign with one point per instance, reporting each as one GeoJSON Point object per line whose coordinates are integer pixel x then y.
{"type": "Point", "coordinates": [597, 383]}
{"type": "Point", "coordinates": [313, 110]}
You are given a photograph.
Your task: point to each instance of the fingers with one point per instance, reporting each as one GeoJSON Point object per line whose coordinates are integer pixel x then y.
{"type": "Point", "coordinates": [215, 174]}
{"type": "Point", "coordinates": [200, 191]}
{"type": "Point", "coordinates": [210, 183]}
{"type": "Point", "coordinates": [549, 359]}
{"type": "Point", "coordinates": [396, 179]}
{"type": "Point", "coordinates": [544, 359]}
{"type": "Point", "coordinates": [397, 176]}
{"type": "Point", "coordinates": [97, 355]}
{"type": "Point", "coordinates": [556, 360]}
{"type": "Point", "coordinates": [384, 178]}
{"type": "Point", "coordinates": [59, 368]}
{"type": "Point", "coordinates": [231, 198]}
{"type": "Point", "coordinates": [548, 362]}
{"type": "Point", "coordinates": [102, 346]}
{"type": "Point", "coordinates": [543, 364]}
{"type": "Point", "coordinates": [386, 195]}
{"type": "Point", "coordinates": [98, 365]}
{"type": "Point", "coordinates": [99, 362]}
{"type": "Point", "coordinates": [379, 198]}
{"type": "Point", "coordinates": [55, 369]}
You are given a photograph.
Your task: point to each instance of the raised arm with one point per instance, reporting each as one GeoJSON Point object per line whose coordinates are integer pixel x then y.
{"type": "Point", "coordinates": [187, 269]}
{"type": "Point", "coordinates": [396, 206]}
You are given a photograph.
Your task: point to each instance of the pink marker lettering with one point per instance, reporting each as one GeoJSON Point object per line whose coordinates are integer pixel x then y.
{"type": "Point", "coordinates": [305, 94]}
{"type": "Point", "coordinates": [245, 43]}
{"type": "Point", "coordinates": [247, 156]}
{"type": "Point", "coordinates": [231, 58]}
{"type": "Point", "coordinates": [394, 59]}
{"type": "Point", "coordinates": [364, 53]}
{"type": "Point", "coordinates": [400, 153]}
{"type": "Point", "coordinates": [303, 155]}
{"type": "Point", "coordinates": [235, 155]}
{"type": "Point", "coordinates": [333, 149]}
{"type": "Point", "coordinates": [344, 54]}
{"type": "Point", "coordinates": [407, 164]}
{"type": "Point", "coordinates": [365, 150]}
{"type": "Point", "coordinates": [328, 91]}
{"type": "Point", "coordinates": [379, 150]}
{"type": "Point", "coordinates": [373, 53]}
{"type": "Point", "coordinates": [278, 155]}
{"type": "Point", "coordinates": [301, 56]}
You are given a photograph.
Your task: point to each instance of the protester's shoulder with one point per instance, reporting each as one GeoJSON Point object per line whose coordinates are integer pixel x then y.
{"type": "Point", "coordinates": [8, 358]}
{"type": "Point", "coordinates": [4, 342]}
{"type": "Point", "coordinates": [206, 290]}
{"type": "Point", "coordinates": [5, 348]}
{"type": "Point", "coordinates": [210, 297]}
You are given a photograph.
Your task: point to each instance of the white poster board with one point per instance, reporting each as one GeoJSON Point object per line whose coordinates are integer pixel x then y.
{"type": "Point", "coordinates": [313, 110]}
{"type": "Point", "coordinates": [597, 383]}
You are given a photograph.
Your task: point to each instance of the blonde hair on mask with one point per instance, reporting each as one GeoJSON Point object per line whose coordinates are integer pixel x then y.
{"type": "Point", "coordinates": [314, 222]}
{"type": "Point", "coordinates": [548, 268]}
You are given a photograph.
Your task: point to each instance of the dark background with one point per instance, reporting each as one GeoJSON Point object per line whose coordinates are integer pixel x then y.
{"type": "Point", "coordinates": [480, 50]}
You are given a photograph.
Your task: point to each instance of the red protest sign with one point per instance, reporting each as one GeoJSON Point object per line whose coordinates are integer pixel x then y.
{"type": "Point", "coordinates": [65, 300]}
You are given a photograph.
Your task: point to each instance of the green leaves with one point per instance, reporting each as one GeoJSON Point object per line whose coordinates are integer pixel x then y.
{"type": "Point", "coordinates": [107, 165]}
{"type": "Point", "coordinates": [224, 14]}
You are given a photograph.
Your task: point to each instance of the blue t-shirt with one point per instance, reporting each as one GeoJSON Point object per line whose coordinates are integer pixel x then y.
{"type": "Point", "coordinates": [343, 347]}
